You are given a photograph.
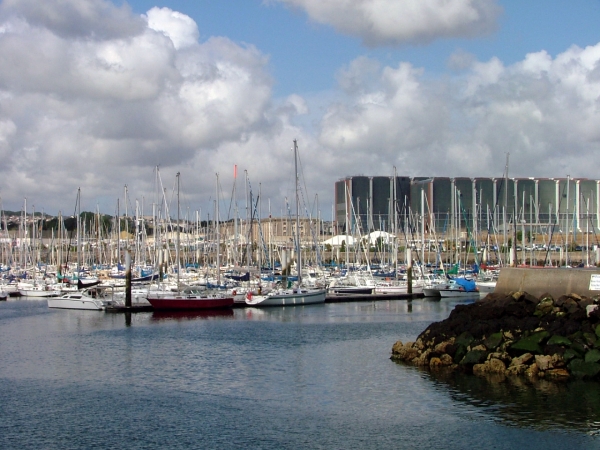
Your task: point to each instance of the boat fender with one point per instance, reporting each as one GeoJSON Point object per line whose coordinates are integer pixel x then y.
{"type": "Point", "coordinates": [249, 295]}
{"type": "Point", "coordinates": [234, 292]}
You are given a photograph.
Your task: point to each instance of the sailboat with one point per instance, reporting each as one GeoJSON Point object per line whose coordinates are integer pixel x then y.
{"type": "Point", "coordinates": [297, 295]}
{"type": "Point", "coordinates": [190, 298]}
{"type": "Point", "coordinates": [94, 298]}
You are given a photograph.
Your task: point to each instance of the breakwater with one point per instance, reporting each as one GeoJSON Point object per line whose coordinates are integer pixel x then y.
{"type": "Point", "coordinates": [513, 335]}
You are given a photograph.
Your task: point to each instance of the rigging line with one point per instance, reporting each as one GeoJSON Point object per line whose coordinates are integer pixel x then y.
{"type": "Point", "coordinates": [471, 240]}
{"type": "Point", "coordinates": [254, 213]}
{"type": "Point", "coordinates": [589, 218]}
{"type": "Point", "coordinates": [301, 170]}
{"type": "Point", "coordinates": [553, 225]}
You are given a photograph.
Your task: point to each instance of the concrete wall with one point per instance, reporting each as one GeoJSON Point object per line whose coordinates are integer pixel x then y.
{"type": "Point", "coordinates": [556, 282]}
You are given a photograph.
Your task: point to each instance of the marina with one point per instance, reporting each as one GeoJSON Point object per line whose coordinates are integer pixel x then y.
{"type": "Point", "coordinates": [299, 224]}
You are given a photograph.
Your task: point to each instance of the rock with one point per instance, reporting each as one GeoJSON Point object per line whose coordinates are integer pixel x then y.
{"type": "Point", "coordinates": [406, 352]}
{"type": "Point", "coordinates": [515, 334]}
{"type": "Point", "coordinates": [570, 354]}
{"type": "Point", "coordinates": [492, 366]}
{"type": "Point", "coordinates": [579, 347]}
{"type": "Point", "coordinates": [589, 339]}
{"type": "Point", "coordinates": [585, 302]}
{"type": "Point", "coordinates": [502, 356]}
{"type": "Point", "coordinates": [460, 353]}
{"type": "Point", "coordinates": [516, 370]}
{"type": "Point", "coordinates": [496, 366]}
{"type": "Point", "coordinates": [423, 359]}
{"type": "Point", "coordinates": [517, 295]}
{"type": "Point", "coordinates": [520, 360]}
{"type": "Point", "coordinates": [479, 369]}
{"type": "Point", "coordinates": [531, 343]}
{"type": "Point", "coordinates": [446, 360]}
{"type": "Point", "coordinates": [592, 356]}
{"type": "Point", "coordinates": [557, 374]}
{"type": "Point", "coordinates": [570, 306]}
{"type": "Point", "coordinates": [435, 362]}
{"type": "Point", "coordinates": [493, 341]}
{"type": "Point", "coordinates": [544, 362]}
{"type": "Point", "coordinates": [465, 339]}
{"type": "Point", "coordinates": [558, 340]}
{"type": "Point", "coordinates": [558, 361]}
{"type": "Point", "coordinates": [532, 371]}
{"type": "Point", "coordinates": [473, 357]}
{"type": "Point", "coordinates": [560, 301]}
{"type": "Point", "coordinates": [419, 344]}
{"type": "Point", "coordinates": [581, 369]}
{"type": "Point", "coordinates": [442, 347]}
{"type": "Point", "coordinates": [544, 307]}
{"type": "Point", "coordinates": [532, 298]}
{"type": "Point", "coordinates": [398, 345]}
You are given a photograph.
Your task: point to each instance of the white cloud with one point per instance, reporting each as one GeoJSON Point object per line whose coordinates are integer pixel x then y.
{"type": "Point", "coordinates": [181, 29]}
{"type": "Point", "coordinates": [391, 22]}
{"type": "Point", "coordinates": [100, 108]}
{"type": "Point", "coordinates": [96, 19]}
{"type": "Point", "coordinates": [545, 112]}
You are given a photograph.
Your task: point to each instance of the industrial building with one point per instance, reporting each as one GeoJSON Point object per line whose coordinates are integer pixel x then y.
{"type": "Point", "coordinates": [440, 204]}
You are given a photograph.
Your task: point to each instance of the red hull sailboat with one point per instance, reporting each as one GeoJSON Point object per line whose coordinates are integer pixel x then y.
{"type": "Point", "coordinates": [174, 300]}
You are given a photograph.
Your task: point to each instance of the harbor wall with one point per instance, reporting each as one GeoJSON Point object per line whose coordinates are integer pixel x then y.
{"type": "Point", "coordinates": [554, 281]}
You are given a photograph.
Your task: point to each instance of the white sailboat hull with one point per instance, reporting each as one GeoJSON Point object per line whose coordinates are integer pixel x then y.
{"type": "Point", "coordinates": [39, 292]}
{"type": "Point", "coordinates": [288, 298]}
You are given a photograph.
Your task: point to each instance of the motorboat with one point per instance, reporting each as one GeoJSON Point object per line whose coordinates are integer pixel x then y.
{"type": "Point", "coordinates": [459, 287]}
{"type": "Point", "coordinates": [94, 298]}
{"type": "Point", "coordinates": [453, 287]}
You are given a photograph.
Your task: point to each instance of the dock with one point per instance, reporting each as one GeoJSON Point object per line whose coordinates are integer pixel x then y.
{"type": "Point", "coordinates": [128, 309]}
{"type": "Point", "coordinates": [339, 298]}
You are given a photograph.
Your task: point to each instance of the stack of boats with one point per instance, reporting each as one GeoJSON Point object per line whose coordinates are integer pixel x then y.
{"type": "Point", "coordinates": [256, 290]}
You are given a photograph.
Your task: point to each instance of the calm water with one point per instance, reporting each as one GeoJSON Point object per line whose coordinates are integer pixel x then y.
{"type": "Point", "coordinates": [302, 377]}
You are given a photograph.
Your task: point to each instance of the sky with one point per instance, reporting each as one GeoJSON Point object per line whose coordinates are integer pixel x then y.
{"type": "Point", "coordinates": [116, 98]}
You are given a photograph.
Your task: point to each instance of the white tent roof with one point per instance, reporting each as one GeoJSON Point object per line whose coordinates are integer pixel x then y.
{"type": "Point", "coordinates": [336, 241]}
{"type": "Point", "coordinates": [372, 237]}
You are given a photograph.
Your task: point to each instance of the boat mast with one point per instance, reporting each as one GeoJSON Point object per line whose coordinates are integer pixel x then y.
{"type": "Point", "coordinates": [298, 250]}
{"type": "Point", "coordinates": [78, 232]}
{"type": "Point", "coordinates": [218, 234]}
{"type": "Point", "coordinates": [235, 219]}
{"type": "Point", "coordinates": [177, 241]}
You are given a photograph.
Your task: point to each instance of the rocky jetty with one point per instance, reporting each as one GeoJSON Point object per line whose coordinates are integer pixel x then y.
{"type": "Point", "coordinates": [513, 335]}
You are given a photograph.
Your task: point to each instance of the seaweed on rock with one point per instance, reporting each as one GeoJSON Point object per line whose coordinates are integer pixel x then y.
{"type": "Point", "coordinates": [513, 335]}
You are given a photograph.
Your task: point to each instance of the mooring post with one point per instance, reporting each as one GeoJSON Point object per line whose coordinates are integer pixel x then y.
{"type": "Point", "coordinates": [409, 270]}
{"type": "Point", "coordinates": [127, 279]}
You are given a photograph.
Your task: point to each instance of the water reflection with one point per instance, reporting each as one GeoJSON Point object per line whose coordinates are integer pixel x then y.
{"type": "Point", "coordinates": [192, 315]}
{"type": "Point", "coordinates": [519, 402]}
